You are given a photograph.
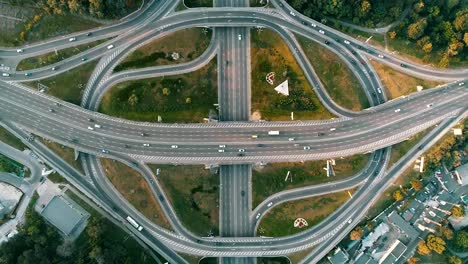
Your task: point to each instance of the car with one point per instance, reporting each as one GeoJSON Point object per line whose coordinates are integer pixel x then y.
{"type": "Point", "coordinates": [322, 32]}
{"type": "Point", "coordinates": [350, 221]}
{"type": "Point", "coordinates": [220, 150]}
{"type": "Point", "coordinates": [254, 136]}
{"type": "Point", "coordinates": [97, 126]}
{"type": "Point", "coordinates": [379, 90]}
{"type": "Point", "coordinates": [242, 193]}
{"type": "Point", "coordinates": [222, 146]}
{"type": "Point", "coordinates": [105, 151]}
{"type": "Point", "coordinates": [461, 83]}
{"type": "Point", "coordinates": [161, 198]}
{"type": "Point", "coordinates": [333, 129]}
{"type": "Point", "coordinates": [292, 13]}
{"type": "Point", "coordinates": [84, 59]}
{"type": "Point", "coordinates": [240, 154]}
{"type": "Point", "coordinates": [313, 25]}
{"type": "Point", "coordinates": [269, 204]}
{"type": "Point", "coordinates": [397, 110]}
{"type": "Point", "coordinates": [5, 74]}
{"type": "Point", "coordinates": [90, 128]}
{"type": "Point", "coordinates": [306, 147]}
{"type": "Point", "coordinates": [403, 65]}
{"type": "Point", "coordinates": [19, 50]}
{"type": "Point", "coordinates": [126, 146]}
{"type": "Point", "coordinates": [53, 68]}
{"type": "Point", "coordinates": [239, 37]}
{"type": "Point", "coordinates": [241, 150]}
{"type": "Point", "coordinates": [89, 34]}
{"type": "Point", "coordinates": [291, 139]}
{"type": "Point", "coordinates": [353, 62]}
{"type": "Point", "coordinates": [304, 23]}
{"type": "Point", "coordinates": [58, 104]}
{"type": "Point", "coordinates": [327, 42]}
{"type": "Point", "coordinates": [146, 145]}
{"type": "Point", "coordinates": [346, 42]}
{"type": "Point", "coordinates": [381, 56]}
{"type": "Point", "coordinates": [28, 74]}
{"type": "Point", "coordinates": [72, 39]}
{"type": "Point", "coordinates": [429, 105]}
{"type": "Point", "coordinates": [258, 216]}
{"type": "Point", "coordinates": [110, 47]}
{"type": "Point", "coordinates": [174, 146]}
{"type": "Point", "coordinates": [142, 134]}
{"type": "Point", "coordinates": [320, 134]}
{"type": "Point", "coordinates": [51, 110]}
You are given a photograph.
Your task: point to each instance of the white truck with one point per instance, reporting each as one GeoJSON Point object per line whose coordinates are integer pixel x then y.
{"type": "Point", "coordinates": [134, 223]}
{"type": "Point", "coordinates": [273, 133]}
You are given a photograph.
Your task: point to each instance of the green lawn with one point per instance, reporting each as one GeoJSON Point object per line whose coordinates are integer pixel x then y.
{"type": "Point", "coordinates": [66, 153]}
{"type": "Point", "coordinates": [52, 57]}
{"type": "Point", "coordinates": [279, 221]}
{"type": "Point", "coordinates": [10, 166]}
{"type": "Point", "coordinates": [198, 3]}
{"type": "Point", "coordinates": [135, 190]}
{"type": "Point", "coordinates": [339, 81]}
{"type": "Point", "coordinates": [179, 98]}
{"type": "Point", "coordinates": [270, 179]}
{"type": "Point", "coordinates": [159, 51]}
{"type": "Point", "coordinates": [400, 149]}
{"type": "Point", "coordinates": [68, 86]}
{"type": "Point", "coordinates": [193, 191]}
{"type": "Point", "coordinates": [8, 138]}
{"type": "Point", "coordinates": [269, 53]}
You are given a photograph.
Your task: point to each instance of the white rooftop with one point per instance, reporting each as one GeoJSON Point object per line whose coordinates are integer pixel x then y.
{"type": "Point", "coordinates": [283, 88]}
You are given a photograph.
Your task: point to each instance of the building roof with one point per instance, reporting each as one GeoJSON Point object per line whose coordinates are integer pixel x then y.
{"type": "Point", "coordinates": [462, 172]}
{"type": "Point", "coordinates": [363, 258]}
{"type": "Point", "coordinates": [395, 251]}
{"type": "Point", "coordinates": [64, 214]}
{"type": "Point", "coordinates": [283, 88]}
{"type": "Point", "coordinates": [339, 257]}
{"type": "Point", "coordinates": [404, 226]}
{"type": "Point", "coordinates": [379, 231]}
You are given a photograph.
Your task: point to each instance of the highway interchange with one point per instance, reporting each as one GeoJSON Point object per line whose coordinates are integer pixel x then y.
{"type": "Point", "coordinates": [354, 132]}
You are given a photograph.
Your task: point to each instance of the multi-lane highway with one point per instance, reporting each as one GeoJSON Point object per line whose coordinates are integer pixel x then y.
{"type": "Point", "coordinates": [241, 141]}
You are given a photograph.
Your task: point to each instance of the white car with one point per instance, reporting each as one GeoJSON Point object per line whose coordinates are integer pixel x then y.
{"type": "Point", "coordinates": [241, 150]}
{"type": "Point", "coordinates": [110, 47]}
{"type": "Point", "coordinates": [258, 216]}
{"type": "Point", "coordinates": [397, 110]}
{"type": "Point", "coordinates": [222, 146]}
{"type": "Point", "coordinates": [269, 204]}
{"type": "Point", "coordinates": [72, 39]}
{"type": "Point", "coordinates": [461, 84]}
{"type": "Point", "coordinates": [220, 150]}
{"type": "Point", "coordinates": [313, 25]}
{"type": "Point", "coordinates": [381, 56]}
{"type": "Point", "coordinates": [322, 32]}
{"type": "Point", "coordinates": [19, 50]}
{"type": "Point", "coordinates": [290, 139]}
{"type": "Point", "coordinates": [430, 105]}
{"type": "Point", "coordinates": [379, 91]}
{"type": "Point", "coordinates": [292, 13]}
{"type": "Point", "coordinates": [306, 147]}
{"type": "Point", "coordinates": [90, 128]}
{"type": "Point", "coordinates": [239, 37]}
{"type": "Point", "coordinates": [146, 145]}
{"type": "Point", "coordinates": [5, 74]}
{"type": "Point", "coordinates": [174, 146]}
{"type": "Point", "coordinates": [346, 41]}
{"type": "Point", "coordinates": [97, 126]}
{"type": "Point", "coordinates": [332, 129]}
{"type": "Point", "coordinates": [105, 151]}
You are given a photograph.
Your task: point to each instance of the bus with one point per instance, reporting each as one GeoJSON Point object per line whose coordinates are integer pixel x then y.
{"type": "Point", "coordinates": [134, 223]}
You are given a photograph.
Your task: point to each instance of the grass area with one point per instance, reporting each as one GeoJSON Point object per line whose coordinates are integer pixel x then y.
{"type": "Point", "coordinates": [198, 3]}
{"type": "Point", "coordinates": [209, 261]}
{"type": "Point", "coordinates": [52, 57]}
{"type": "Point", "coordinates": [273, 260]}
{"type": "Point", "coordinates": [296, 257]}
{"type": "Point", "coordinates": [191, 259]}
{"type": "Point", "coordinates": [400, 149]}
{"type": "Point", "coordinates": [269, 53]}
{"type": "Point", "coordinates": [194, 193]}
{"type": "Point", "coordinates": [68, 86]}
{"type": "Point", "coordinates": [58, 25]}
{"type": "Point", "coordinates": [279, 220]}
{"type": "Point", "coordinates": [66, 153]}
{"type": "Point", "coordinates": [10, 166]}
{"type": "Point", "coordinates": [179, 98]}
{"type": "Point", "coordinates": [57, 178]}
{"type": "Point", "coordinates": [9, 139]}
{"type": "Point", "coordinates": [397, 84]}
{"type": "Point", "coordinates": [338, 79]}
{"type": "Point", "coordinates": [270, 179]}
{"type": "Point", "coordinates": [112, 234]}
{"type": "Point", "coordinates": [159, 51]}
{"type": "Point", "coordinates": [135, 190]}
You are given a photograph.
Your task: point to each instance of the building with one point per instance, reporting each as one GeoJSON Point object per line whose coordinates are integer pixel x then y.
{"type": "Point", "coordinates": [396, 220]}
{"type": "Point", "coordinates": [67, 216]}
{"type": "Point", "coordinates": [394, 253]}
{"type": "Point", "coordinates": [339, 256]}
{"type": "Point", "coordinates": [461, 174]}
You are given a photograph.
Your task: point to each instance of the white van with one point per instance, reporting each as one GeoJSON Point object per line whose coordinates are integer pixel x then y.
{"type": "Point", "coordinates": [110, 46]}
{"type": "Point", "coordinates": [5, 74]}
{"type": "Point", "coordinates": [90, 128]}
{"type": "Point", "coordinates": [97, 126]}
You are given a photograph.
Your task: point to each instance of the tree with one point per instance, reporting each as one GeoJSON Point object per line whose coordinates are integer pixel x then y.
{"type": "Point", "coordinates": [417, 185]}
{"type": "Point", "coordinates": [166, 91]}
{"type": "Point", "coordinates": [356, 234]}
{"type": "Point", "coordinates": [427, 48]}
{"type": "Point", "coordinates": [416, 30]}
{"type": "Point", "coordinates": [422, 248]}
{"type": "Point", "coordinates": [455, 260]}
{"type": "Point", "coordinates": [461, 20]}
{"type": "Point", "coordinates": [188, 100]}
{"type": "Point", "coordinates": [461, 239]}
{"type": "Point", "coordinates": [413, 260]}
{"type": "Point", "coordinates": [446, 232]}
{"type": "Point", "coordinates": [397, 195]}
{"type": "Point", "coordinates": [133, 99]}
{"type": "Point", "coordinates": [444, 62]}
{"type": "Point", "coordinates": [392, 34]}
{"type": "Point", "coordinates": [435, 244]}
{"type": "Point", "coordinates": [458, 211]}
{"type": "Point", "coordinates": [465, 38]}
